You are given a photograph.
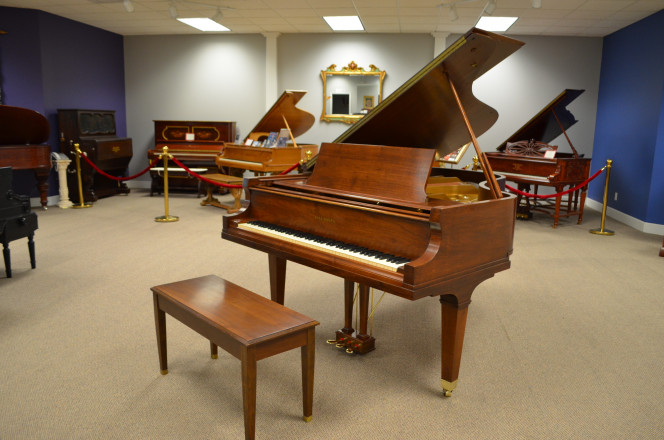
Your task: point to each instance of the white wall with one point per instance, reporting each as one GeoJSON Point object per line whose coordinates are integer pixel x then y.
{"type": "Point", "coordinates": [222, 77]}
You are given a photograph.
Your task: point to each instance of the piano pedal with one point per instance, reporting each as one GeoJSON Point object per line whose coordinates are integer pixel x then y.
{"type": "Point", "coordinates": [352, 344]}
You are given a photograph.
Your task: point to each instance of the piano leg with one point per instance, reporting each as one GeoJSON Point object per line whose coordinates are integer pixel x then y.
{"type": "Point", "coordinates": [277, 267]}
{"type": "Point", "coordinates": [453, 319]}
{"type": "Point", "coordinates": [349, 288]}
{"type": "Point", "coordinates": [31, 250]}
{"type": "Point", "coordinates": [556, 214]}
{"type": "Point", "coordinates": [582, 203]}
{"type": "Point", "coordinates": [42, 185]}
{"type": "Point", "coordinates": [7, 257]}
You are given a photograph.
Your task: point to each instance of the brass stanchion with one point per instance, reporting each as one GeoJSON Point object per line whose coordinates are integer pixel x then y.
{"type": "Point", "coordinates": [601, 230]}
{"type": "Point", "coordinates": [78, 176]}
{"type": "Point", "coordinates": [166, 217]}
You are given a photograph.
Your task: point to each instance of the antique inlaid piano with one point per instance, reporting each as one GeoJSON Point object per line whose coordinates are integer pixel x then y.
{"type": "Point", "coordinates": [194, 143]}
{"type": "Point", "coordinates": [95, 132]}
{"type": "Point", "coordinates": [282, 115]}
{"type": "Point", "coordinates": [366, 213]}
{"type": "Point", "coordinates": [22, 136]}
{"type": "Point", "coordinates": [522, 159]}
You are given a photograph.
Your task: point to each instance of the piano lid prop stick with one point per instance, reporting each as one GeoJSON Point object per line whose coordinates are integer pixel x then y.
{"type": "Point", "coordinates": [166, 217]}
{"type": "Point", "coordinates": [488, 172]}
{"type": "Point", "coordinates": [565, 133]}
{"type": "Point", "coordinates": [78, 176]}
{"type": "Point", "coordinates": [289, 131]}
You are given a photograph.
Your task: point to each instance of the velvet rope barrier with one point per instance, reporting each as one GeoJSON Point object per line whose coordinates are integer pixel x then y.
{"type": "Point", "coordinates": [547, 196]}
{"type": "Point", "coordinates": [103, 173]}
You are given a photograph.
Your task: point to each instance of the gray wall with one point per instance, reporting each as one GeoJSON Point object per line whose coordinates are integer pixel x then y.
{"type": "Point", "coordinates": [222, 77]}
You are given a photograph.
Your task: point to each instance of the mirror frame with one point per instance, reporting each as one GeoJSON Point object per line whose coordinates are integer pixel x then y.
{"type": "Point", "coordinates": [351, 70]}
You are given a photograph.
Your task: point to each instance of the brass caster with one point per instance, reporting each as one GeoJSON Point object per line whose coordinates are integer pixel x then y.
{"type": "Point", "coordinates": [214, 356]}
{"type": "Point", "coordinates": [307, 418]}
{"type": "Point", "coordinates": [164, 372]}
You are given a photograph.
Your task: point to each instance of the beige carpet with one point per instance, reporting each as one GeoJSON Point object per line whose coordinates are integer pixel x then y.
{"type": "Point", "coordinates": [567, 344]}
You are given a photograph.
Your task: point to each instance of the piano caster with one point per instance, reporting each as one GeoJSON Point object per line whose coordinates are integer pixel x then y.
{"type": "Point", "coordinates": [448, 387]}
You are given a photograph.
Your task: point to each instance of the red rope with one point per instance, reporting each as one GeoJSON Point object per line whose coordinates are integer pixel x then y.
{"type": "Point", "coordinates": [103, 173]}
{"type": "Point", "coordinates": [547, 196]}
{"type": "Point", "coordinates": [289, 169]}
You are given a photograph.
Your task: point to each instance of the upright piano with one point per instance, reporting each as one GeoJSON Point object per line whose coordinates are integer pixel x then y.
{"type": "Point", "coordinates": [375, 212]}
{"type": "Point", "coordinates": [523, 159]}
{"type": "Point", "coordinates": [22, 136]}
{"type": "Point", "coordinates": [16, 219]}
{"type": "Point", "coordinates": [194, 143]}
{"type": "Point", "coordinates": [95, 132]}
{"type": "Point", "coordinates": [282, 115]}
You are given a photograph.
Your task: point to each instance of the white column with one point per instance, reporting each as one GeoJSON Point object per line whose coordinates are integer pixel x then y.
{"type": "Point", "coordinates": [440, 42]}
{"type": "Point", "coordinates": [61, 165]}
{"type": "Point", "coordinates": [271, 92]}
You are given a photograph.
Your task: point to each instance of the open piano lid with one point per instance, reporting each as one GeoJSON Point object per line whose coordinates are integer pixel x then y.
{"type": "Point", "coordinates": [543, 127]}
{"type": "Point", "coordinates": [423, 112]}
{"type": "Point", "coordinates": [298, 120]}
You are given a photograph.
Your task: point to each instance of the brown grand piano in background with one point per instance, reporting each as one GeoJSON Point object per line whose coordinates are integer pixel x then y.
{"type": "Point", "coordinates": [374, 212]}
{"type": "Point", "coordinates": [260, 160]}
{"type": "Point", "coordinates": [521, 160]}
{"type": "Point", "coordinates": [22, 134]}
{"type": "Point", "coordinates": [194, 143]}
{"type": "Point", "coordinates": [94, 131]}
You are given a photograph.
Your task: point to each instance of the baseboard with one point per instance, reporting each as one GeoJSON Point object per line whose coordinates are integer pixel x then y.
{"type": "Point", "coordinates": [639, 225]}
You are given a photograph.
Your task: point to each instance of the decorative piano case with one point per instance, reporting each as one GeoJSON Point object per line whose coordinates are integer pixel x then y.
{"type": "Point", "coordinates": [95, 132]}
{"type": "Point", "coordinates": [194, 143]}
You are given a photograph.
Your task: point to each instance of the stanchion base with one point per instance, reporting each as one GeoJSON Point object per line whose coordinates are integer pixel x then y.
{"type": "Point", "coordinates": [167, 218]}
{"type": "Point", "coordinates": [602, 232]}
{"type": "Point", "coordinates": [83, 205]}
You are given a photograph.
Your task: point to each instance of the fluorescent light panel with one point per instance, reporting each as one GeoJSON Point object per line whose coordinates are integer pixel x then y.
{"type": "Point", "coordinates": [204, 24]}
{"type": "Point", "coordinates": [344, 23]}
{"type": "Point", "coordinates": [495, 24]}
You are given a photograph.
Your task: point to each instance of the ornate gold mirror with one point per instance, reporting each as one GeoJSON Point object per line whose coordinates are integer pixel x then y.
{"type": "Point", "coordinates": [350, 93]}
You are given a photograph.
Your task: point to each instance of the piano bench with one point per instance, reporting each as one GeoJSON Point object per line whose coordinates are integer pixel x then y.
{"type": "Point", "coordinates": [246, 325]}
{"type": "Point", "coordinates": [236, 192]}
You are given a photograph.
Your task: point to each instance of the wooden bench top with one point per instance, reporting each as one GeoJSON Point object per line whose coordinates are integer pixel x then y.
{"type": "Point", "coordinates": [245, 316]}
{"type": "Point", "coordinates": [223, 178]}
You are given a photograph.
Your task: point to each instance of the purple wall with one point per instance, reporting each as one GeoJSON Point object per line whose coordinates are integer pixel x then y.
{"type": "Point", "coordinates": [630, 120]}
{"type": "Point", "coordinates": [50, 62]}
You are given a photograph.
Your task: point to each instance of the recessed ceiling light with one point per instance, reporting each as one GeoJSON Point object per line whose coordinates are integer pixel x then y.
{"type": "Point", "coordinates": [204, 24]}
{"type": "Point", "coordinates": [495, 24]}
{"type": "Point", "coordinates": [344, 23]}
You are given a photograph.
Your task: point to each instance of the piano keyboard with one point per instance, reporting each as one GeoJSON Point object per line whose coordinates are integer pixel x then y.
{"type": "Point", "coordinates": [326, 245]}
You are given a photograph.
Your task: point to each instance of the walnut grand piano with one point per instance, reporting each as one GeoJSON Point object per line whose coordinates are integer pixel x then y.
{"type": "Point", "coordinates": [522, 159]}
{"type": "Point", "coordinates": [364, 214]}
{"type": "Point", "coordinates": [262, 160]}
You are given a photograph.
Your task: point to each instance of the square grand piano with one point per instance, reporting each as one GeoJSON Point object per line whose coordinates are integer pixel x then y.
{"type": "Point", "coordinates": [368, 213]}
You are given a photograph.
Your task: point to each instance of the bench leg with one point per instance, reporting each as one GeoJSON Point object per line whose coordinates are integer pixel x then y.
{"type": "Point", "coordinates": [160, 325]}
{"type": "Point", "coordinates": [308, 357]}
{"type": "Point", "coordinates": [248, 358]}
{"type": "Point", "coordinates": [31, 250]}
{"type": "Point", "coordinates": [213, 350]}
{"type": "Point", "coordinates": [8, 260]}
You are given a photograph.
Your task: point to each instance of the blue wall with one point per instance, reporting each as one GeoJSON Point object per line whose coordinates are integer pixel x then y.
{"type": "Point", "coordinates": [630, 120]}
{"type": "Point", "coordinates": [50, 62]}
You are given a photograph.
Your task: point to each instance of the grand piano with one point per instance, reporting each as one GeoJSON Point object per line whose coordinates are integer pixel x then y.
{"type": "Point", "coordinates": [524, 159]}
{"type": "Point", "coordinates": [22, 136]}
{"type": "Point", "coordinates": [261, 160]}
{"type": "Point", "coordinates": [95, 132]}
{"type": "Point", "coordinates": [375, 212]}
{"type": "Point", "coordinates": [194, 143]}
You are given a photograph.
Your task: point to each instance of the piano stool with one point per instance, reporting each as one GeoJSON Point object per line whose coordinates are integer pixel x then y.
{"type": "Point", "coordinates": [236, 192]}
{"type": "Point", "coordinates": [175, 176]}
{"type": "Point", "coordinates": [246, 325]}
{"type": "Point", "coordinates": [26, 229]}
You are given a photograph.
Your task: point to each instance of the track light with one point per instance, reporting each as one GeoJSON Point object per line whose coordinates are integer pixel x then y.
{"type": "Point", "coordinates": [173, 10]}
{"type": "Point", "coordinates": [453, 13]}
{"type": "Point", "coordinates": [218, 16]}
{"type": "Point", "coordinates": [128, 5]}
{"type": "Point", "coordinates": [537, 4]}
{"type": "Point", "coordinates": [490, 7]}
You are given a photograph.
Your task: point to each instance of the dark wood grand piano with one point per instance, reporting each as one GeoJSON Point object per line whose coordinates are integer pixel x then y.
{"type": "Point", "coordinates": [94, 131]}
{"type": "Point", "coordinates": [261, 160]}
{"type": "Point", "coordinates": [194, 143]}
{"type": "Point", "coordinates": [522, 159]}
{"type": "Point", "coordinates": [22, 134]}
{"type": "Point", "coordinates": [367, 211]}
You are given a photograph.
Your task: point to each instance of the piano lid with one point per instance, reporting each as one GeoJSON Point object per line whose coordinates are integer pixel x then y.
{"type": "Point", "coordinates": [299, 121]}
{"type": "Point", "coordinates": [22, 126]}
{"type": "Point", "coordinates": [543, 127]}
{"type": "Point", "coordinates": [423, 112]}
